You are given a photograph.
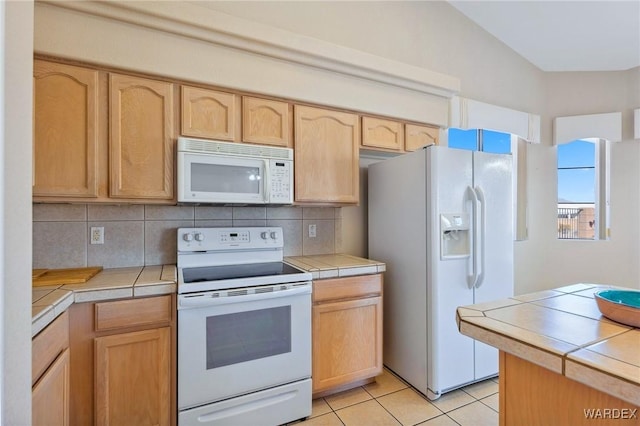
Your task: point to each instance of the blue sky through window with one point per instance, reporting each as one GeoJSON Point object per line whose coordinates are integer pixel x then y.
{"type": "Point", "coordinates": [495, 142]}
{"type": "Point", "coordinates": [463, 139]}
{"type": "Point", "coordinates": [576, 172]}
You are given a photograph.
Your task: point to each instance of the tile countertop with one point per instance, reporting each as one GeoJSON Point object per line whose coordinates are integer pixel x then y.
{"type": "Point", "coordinates": [50, 301]}
{"type": "Point", "coordinates": [562, 330]}
{"type": "Point", "coordinates": [335, 265]}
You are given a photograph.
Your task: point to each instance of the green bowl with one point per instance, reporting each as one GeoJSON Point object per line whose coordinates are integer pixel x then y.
{"type": "Point", "coordinates": [622, 306]}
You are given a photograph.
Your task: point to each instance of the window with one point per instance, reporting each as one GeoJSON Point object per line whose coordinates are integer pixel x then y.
{"type": "Point", "coordinates": [481, 140]}
{"type": "Point", "coordinates": [500, 143]}
{"type": "Point", "coordinates": [583, 190]}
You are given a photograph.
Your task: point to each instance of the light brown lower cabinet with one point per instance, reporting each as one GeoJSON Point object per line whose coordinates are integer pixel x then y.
{"type": "Point", "coordinates": [122, 368]}
{"type": "Point", "coordinates": [533, 395]}
{"type": "Point", "coordinates": [347, 332]}
{"type": "Point", "coordinates": [50, 374]}
{"type": "Point", "coordinates": [133, 367]}
{"type": "Point", "coordinates": [50, 396]}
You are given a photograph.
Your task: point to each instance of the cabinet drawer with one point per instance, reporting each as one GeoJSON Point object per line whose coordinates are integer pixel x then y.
{"type": "Point", "coordinates": [133, 313]}
{"type": "Point", "coordinates": [48, 344]}
{"type": "Point", "coordinates": [347, 288]}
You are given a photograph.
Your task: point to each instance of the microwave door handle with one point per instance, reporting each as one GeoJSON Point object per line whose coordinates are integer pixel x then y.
{"type": "Point", "coordinates": [267, 179]}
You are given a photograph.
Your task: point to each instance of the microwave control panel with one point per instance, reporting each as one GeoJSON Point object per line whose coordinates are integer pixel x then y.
{"type": "Point", "coordinates": [281, 178]}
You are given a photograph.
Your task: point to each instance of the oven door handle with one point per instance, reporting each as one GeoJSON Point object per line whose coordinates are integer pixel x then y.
{"type": "Point", "coordinates": [206, 299]}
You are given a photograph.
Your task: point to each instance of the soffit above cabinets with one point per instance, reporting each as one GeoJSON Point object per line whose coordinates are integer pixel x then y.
{"type": "Point", "coordinates": [232, 49]}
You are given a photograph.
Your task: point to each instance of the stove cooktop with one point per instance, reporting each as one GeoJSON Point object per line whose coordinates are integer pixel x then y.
{"type": "Point", "coordinates": [226, 272]}
{"type": "Point", "coordinates": [224, 277]}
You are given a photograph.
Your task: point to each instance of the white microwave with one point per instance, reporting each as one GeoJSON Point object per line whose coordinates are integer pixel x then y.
{"type": "Point", "coordinates": [233, 173]}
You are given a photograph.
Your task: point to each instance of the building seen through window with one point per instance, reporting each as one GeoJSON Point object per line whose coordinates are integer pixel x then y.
{"type": "Point", "coordinates": [582, 190]}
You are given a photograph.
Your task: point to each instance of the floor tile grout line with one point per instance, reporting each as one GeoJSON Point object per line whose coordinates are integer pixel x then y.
{"type": "Point", "coordinates": [409, 386]}
{"type": "Point", "coordinates": [480, 400]}
{"type": "Point", "coordinates": [390, 393]}
{"type": "Point", "coordinates": [391, 414]}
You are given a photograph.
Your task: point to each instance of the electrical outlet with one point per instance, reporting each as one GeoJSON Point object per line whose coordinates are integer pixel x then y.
{"type": "Point", "coordinates": [312, 231]}
{"type": "Point", "coordinates": [97, 235]}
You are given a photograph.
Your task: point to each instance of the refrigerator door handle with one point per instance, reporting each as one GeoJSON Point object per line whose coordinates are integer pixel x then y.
{"type": "Point", "coordinates": [472, 263]}
{"type": "Point", "coordinates": [481, 235]}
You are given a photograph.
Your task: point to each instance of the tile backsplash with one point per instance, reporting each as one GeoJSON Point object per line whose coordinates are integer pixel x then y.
{"type": "Point", "coordinates": [136, 235]}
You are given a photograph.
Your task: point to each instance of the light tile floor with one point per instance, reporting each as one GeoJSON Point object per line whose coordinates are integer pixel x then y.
{"type": "Point", "coordinates": [391, 401]}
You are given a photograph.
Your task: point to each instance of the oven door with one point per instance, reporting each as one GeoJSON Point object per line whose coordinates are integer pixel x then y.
{"type": "Point", "coordinates": [210, 178]}
{"type": "Point", "coordinates": [234, 345]}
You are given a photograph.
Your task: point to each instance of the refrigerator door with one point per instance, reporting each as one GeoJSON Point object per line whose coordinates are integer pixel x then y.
{"type": "Point", "coordinates": [397, 236]}
{"type": "Point", "coordinates": [492, 180]}
{"type": "Point", "coordinates": [450, 361]}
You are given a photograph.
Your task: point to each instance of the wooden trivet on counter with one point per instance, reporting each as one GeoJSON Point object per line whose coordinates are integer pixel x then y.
{"type": "Point", "coordinates": [65, 276]}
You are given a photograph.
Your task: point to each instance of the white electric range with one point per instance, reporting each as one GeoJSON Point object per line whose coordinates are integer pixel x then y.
{"type": "Point", "coordinates": [244, 329]}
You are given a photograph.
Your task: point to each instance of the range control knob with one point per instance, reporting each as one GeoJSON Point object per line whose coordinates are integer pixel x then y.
{"type": "Point", "coordinates": [187, 237]}
{"type": "Point", "coordinates": [263, 235]}
{"type": "Point", "coordinates": [273, 235]}
{"type": "Point", "coordinates": [199, 236]}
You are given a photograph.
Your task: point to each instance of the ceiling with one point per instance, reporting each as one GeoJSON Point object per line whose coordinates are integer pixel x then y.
{"type": "Point", "coordinates": [564, 35]}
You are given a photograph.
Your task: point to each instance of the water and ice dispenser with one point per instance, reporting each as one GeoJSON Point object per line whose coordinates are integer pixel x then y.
{"type": "Point", "coordinates": [454, 236]}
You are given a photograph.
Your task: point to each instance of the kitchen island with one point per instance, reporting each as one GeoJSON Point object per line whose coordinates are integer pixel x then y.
{"type": "Point", "coordinates": [561, 361]}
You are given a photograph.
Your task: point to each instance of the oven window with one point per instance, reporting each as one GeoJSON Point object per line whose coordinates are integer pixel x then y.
{"type": "Point", "coordinates": [245, 336]}
{"type": "Point", "coordinates": [225, 178]}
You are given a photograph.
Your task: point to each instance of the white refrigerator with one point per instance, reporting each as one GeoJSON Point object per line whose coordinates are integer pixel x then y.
{"type": "Point", "coordinates": [441, 220]}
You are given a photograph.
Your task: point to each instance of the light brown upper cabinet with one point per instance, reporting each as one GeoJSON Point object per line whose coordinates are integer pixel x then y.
{"type": "Point", "coordinates": [209, 114]}
{"type": "Point", "coordinates": [326, 156]}
{"type": "Point", "coordinates": [141, 138]}
{"type": "Point", "coordinates": [419, 136]}
{"type": "Point", "coordinates": [66, 133]}
{"type": "Point", "coordinates": [266, 121]}
{"type": "Point", "coordinates": [382, 134]}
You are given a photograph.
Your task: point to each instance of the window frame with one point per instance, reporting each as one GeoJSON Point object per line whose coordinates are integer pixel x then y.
{"type": "Point", "coordinates": [602, 189]}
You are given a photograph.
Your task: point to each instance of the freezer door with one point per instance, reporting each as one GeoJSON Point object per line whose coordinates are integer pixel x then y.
{"type": "Point", "coordinates": [450, 354]}
{"type": "Point", "coordinates": [492, 180]}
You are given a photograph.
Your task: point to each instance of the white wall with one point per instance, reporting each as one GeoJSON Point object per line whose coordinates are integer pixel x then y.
{"type": "Point", "coordinates": [16, 45]}
{"type": "Point", "coordinates": [544, 261]}
{"type": "Point", "coordinates": [428, 34]}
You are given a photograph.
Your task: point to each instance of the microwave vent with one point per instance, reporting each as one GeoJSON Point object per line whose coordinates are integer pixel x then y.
{"type": "Point", "coordinates": [226, 148]}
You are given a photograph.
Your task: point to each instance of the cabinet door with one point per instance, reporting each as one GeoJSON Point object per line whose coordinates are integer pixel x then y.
{"type": "Point", "coordinates": [65, 130]}
{"type": "Point", "coordinates": [347, 342]}
{"type": "Point", "coordinates": [133, 378]}
{"type": "Point", "coordinates": [50, 395]}
{"type": "Point", "coordinates": [141, 140]}
{"type": "Point", "coordinates": [209, 114]}
{"type": "Point", "coordinates": [265, 121]}
{"type": "Point", "coordinates": [326, 156]}
{"type": "Point", "coordinates": [379, 133]}
{"type": "Point", "coordinates": [419, 136]}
